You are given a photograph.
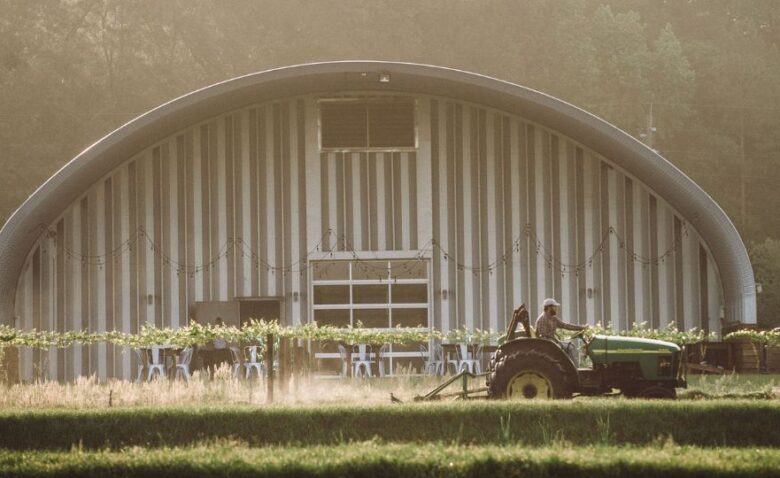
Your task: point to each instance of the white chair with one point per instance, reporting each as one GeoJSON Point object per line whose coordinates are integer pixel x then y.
{"type": "Point", "coordinates": [344, 361]}
{"type": "Point", "coordinates": [466, 361]}
{"type": "Point", "coordinates": [235, 356]}
{"type": "Point", "coordinates": [183, 364]}
{"type": "Point", "coordinates": [381, 358]}
{"type": "Point", "coordinates": [253, 361]}
{"type": "Point", "coordinates": [156, 364]}
{"type": "Point", "coordinates": [432, 360]}
{"type": "Point", "coordinates": [361, 360]}
{"type": "Point", "coordinates": [143, 362]}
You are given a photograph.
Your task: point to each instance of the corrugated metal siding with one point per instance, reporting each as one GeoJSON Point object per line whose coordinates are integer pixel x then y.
{"type": "Point", "coordinates": [236, 205]}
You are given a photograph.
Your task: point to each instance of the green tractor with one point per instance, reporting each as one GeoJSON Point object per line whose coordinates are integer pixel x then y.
{"type": "Point", "coordinates": [525, 367]}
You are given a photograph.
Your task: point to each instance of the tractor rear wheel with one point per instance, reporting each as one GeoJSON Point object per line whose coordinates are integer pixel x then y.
{"type": "Point", "coordinates": [528, 374]}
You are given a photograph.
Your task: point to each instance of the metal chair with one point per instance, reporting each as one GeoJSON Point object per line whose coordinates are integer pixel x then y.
{"type": "Point", "coordinates": [361, 360]}
{"type": "Point", "coordinates": [156, 364]}
{"type": "Point", "coordinates": [466, 361]}
{"type": "Point", "coordinates": [143, 362]}
{"type": "Point", "coordinates": [235, 357]}
{"type": "Point", "coordinates": [183, 364]}
{"type": "Point", "coordinates": [253, 361]}
{"type": "Point", "coordinates": [344, 361]}
{"type": "Point", "coordinates": [432, 362]}
{"type": "Point", "coordinates": [381, 358]}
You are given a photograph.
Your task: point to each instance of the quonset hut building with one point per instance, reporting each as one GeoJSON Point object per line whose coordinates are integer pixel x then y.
{"type": "Point", "coordinates": [385, 193]}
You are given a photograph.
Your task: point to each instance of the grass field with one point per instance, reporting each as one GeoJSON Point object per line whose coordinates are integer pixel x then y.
{"type": "Point", "coordinates": [721, 426]}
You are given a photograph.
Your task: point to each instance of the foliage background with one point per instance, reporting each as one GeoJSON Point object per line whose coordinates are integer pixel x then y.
{"type": "Point", "coordinates": [71, 71]}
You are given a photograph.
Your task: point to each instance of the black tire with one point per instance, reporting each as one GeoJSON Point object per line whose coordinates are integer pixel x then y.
{"type": "Point", "coordinates": [528, 374]}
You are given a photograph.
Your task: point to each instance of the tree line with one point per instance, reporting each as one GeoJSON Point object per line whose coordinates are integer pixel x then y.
{"type": "Point", "coordinates": [693, 79]}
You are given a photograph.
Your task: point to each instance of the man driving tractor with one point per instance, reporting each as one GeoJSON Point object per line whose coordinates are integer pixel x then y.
{"type": "Point", "coordinates": [548, 323]}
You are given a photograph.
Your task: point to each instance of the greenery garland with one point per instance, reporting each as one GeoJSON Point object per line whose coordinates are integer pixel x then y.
{"type": "Point", "coordinates": [258, 330]}
{"type": "Point", "coordinates": [764, 337]}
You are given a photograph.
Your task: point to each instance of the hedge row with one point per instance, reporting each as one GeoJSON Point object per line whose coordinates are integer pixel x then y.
{"type": "Point", "coordinates": [710, 423]}
{"type": "Point", "coordinates": [392, 460]}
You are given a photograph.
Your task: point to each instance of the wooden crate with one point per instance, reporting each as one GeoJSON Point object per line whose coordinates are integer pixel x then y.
{"type": "Point", "coordinates": [747, 356]}
{"type": "Point", "coordinates": [773, 359]}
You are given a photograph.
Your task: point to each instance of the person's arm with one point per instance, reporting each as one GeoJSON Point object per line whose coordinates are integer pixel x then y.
{"type": "Point", "coordinates": [568, 326]}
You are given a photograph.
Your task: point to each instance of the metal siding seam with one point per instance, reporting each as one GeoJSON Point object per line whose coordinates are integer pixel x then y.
{"type": "Point", "coordinates": [653, 252]}
{"type": "Point", "coordinates": [506, 306]}
{"type": "Point", "coordinates": [224, 228]}
{"type": "Point", "coordinates": [690, 279]}
{"type": "Point", "coordinates": [581, 274]}
{"type": "Point", "coordinates": [182, 216]}
{"type": "Point", "coordinates": [246, 214]}
{"type": "Point", "coordinates": [620, 279]}
{"type": "Point", "coordinates": [554, 205]}
{"type": "Point", "coordinates": [514, 214]}
{"type": "Point", "coordinates": [340, 211]}
{"type": "Point", "coordinates": [227, 225]}
{"type": "Point", "coordinates": [108, 247]}
{"type": "Point", "coordinates": [562, 226]}
{"type": "Point", "coordinates": [713, 293]}
{"type": "Point", "coordinates": [570, 236]}
{"type": "Point", "coordinates": [195, 222]}
{"type": "Point", "coordinates": [135, 244]}
{"type": "Point", "coordinates": [365, 201]}
{"type": "Point", "coordinates": [533, 238]}
{"type": "Point", "coordinates": [465, 238]}
{"type": "Point", "coordinates": [168, 233]}
{"type": "Point", "coordinates": [38, 270]}
{"type": "Point", "coordinates": [678, 274]}
{"type": "Point", "coordinates": [71, 283]}
{"type": "Point", "coordinates": [61, 293]}
{"type": "Point", "coordinates": [454, 221]}
{"type": "Point", "coordinates": [278, 200]}
{"type": "Point", "coordinates": [284, 159]}
{"type": "Point", "coordinates": [388, 200]}
{"type": "Point", "coordinates": [303, 140]}
{"type": "Point", "coordinates": [158, 205]}
{"type": "Point", "coordinates": [99, 276]}
{"type": "Point", "coordinates": [374, 198]}
{"type": "Point", "coordinates": [266, 201]}
{"type": "Point", "coordinates": [616, 266]}
{"type": "Point", "coordinates": [547, 207]}
{"type": "Point", "coordinates": [438, 300]}
{"type": "Point", "coordinates": [398, 222]}
{"type": "Point", "coordinates": [29, 356]}
{"type": "Point", "coordinates": [173, 292]}
{"type": "Point", "coordinates": [629, 245]}
{"type": "Point", "coordinates": [125, 234]}
{"type": "Point", "coordinates": [84, 285]}
{"type": "Point", "coordinates": [703, 320]}
{"type": "Point", "coordinates": [402, 161]}
{"type": "Point", "coordinates": [413, 203]}
{"type": "Point", "coordinates": [216, 215]}
{"type": "Point", "coordinates": [294, 213]}
{"type": "Point", "coordinates": [494, 158]}
{"type": "Point", "coordinates": [647, 270]}
{"type": "Point", "coordinates": [204, 216]}
{"type": "Point", "coordinates": [254, 214]}
{"type": "Point", "coordinates": [325, 202]}
{"type": "Point", "coordinates": [600, 225]}
{"type": "Point", "coordinates": [349, 203]}
{"type": "Point", "coordinates": [486, 294]}
{"type": "Point", "coordinates": [589, 239]}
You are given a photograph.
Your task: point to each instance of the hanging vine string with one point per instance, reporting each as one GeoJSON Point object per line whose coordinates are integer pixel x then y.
{"type": "Point", "coordinates": [323, 250]}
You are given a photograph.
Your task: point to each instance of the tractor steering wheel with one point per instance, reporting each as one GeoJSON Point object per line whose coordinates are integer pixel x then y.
{"type": "Point", "coordinates": [581, 335]}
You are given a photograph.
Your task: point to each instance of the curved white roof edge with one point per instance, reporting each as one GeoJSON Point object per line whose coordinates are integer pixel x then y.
{"type": "Point", "coordinates": [50, 200]}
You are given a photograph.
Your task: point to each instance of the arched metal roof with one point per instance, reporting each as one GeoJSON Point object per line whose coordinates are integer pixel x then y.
{"type": "Point", "coordinates": [50, 200]}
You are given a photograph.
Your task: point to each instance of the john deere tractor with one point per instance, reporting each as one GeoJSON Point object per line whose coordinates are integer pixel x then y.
{"type": "Point", "coordinates": [526, 367]}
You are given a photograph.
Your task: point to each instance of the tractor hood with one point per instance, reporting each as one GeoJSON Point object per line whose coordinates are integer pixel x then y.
{"type": "Point", "coordinates": [612, 344]}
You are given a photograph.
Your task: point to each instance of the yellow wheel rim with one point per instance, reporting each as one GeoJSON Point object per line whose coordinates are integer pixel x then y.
{"type": "Point", "coordinates": [529, 386]}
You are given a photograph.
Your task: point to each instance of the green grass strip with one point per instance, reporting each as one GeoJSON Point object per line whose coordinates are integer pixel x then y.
{"type": "Point", "coordinates": [378, 459]}
{"type": "Point", "coordinates": [600, 422]}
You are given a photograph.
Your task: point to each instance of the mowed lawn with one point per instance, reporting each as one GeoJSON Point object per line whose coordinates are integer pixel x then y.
{"type": "Point", "coordinates": [733, 432]}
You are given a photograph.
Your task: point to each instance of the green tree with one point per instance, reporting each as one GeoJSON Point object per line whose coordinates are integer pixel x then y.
{"type": "Point", "coordinates": [765, 257]}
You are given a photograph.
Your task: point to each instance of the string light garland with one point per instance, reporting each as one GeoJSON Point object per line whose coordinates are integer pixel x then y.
{"type": "Point", "coordinates": [527, 240]}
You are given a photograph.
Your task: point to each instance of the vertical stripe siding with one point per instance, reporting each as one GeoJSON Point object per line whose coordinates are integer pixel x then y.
{"type": "Point", "coordinates": [242, 179]}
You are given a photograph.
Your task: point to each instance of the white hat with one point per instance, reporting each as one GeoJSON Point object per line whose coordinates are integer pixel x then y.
{"type": "Point", "coordinates": [550, 301]}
